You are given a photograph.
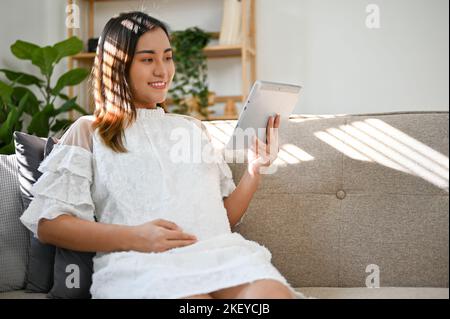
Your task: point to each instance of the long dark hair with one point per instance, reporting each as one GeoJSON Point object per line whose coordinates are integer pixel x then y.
{"type": "Point", "coordinates": [110, 82]}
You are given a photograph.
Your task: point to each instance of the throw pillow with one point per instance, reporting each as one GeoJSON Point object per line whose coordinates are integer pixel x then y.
{"type": "Point", "coordinates": [59, 272]}
{"type": "Point", "coordinates": [30, 151]}
{"type": "Point", "coordinates": [72, 275]}
{"type": "Point", "coordinates": [72, 271]}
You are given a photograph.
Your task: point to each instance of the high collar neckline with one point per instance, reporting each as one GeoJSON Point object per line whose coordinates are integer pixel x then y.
{"type": "Point", "coordinates": [154, 112]}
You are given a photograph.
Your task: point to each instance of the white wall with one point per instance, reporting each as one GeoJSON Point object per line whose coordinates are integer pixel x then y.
{"type": "Point", "coordinates": [37, 21]}
{"type": "Point", "coordinates": [346, 67]}
{"type": "Point", "coordinates": [322, 44]}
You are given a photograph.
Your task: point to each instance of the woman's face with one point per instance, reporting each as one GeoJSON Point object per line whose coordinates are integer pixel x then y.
{"type": "Point", "coordinates": [152, 63]}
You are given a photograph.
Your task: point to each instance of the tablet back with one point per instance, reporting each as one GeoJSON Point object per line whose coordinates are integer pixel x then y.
{"type": "Point", "coordinates": [265, 99]}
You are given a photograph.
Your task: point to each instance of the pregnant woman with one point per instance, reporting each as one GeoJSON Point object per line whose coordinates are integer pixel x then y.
{"type": "Point", "coordinates": [114, 185]}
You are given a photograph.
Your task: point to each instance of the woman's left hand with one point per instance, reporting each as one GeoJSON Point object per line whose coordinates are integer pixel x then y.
{"type": "Point", "coordinates": [264, 154]}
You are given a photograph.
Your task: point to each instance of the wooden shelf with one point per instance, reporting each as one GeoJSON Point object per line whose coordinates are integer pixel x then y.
{"type": "Point", "coordinates": [219, 99]}
{"type": "Point", "coordinates": [84, 56]}
{"type": "Point", "coordinates": [217, 118]}
{"type": "Point", "coordinates": [222, 118]}
{"type": "Point", "coordinates": [217, 51]}
{"type": "Point", "coordinates": [222, 98]}
{"type": "Point", "coordinates": [105, 0]}
{"type": "Point", "coordinates": [223, 51]}
{"type": "Point", "coordinates": [246, 51]}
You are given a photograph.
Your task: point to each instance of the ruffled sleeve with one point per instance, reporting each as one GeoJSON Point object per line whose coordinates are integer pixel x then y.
{"type": "Point", "coordinates": [65, 184]}
{"type": "Point", "coordinates": [227, 185]}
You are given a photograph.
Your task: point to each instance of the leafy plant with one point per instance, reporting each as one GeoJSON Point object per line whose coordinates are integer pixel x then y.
{"type": "Point", "coordinates": [17, 99]}
{"type": "Point", "coordinates": [190, 80]}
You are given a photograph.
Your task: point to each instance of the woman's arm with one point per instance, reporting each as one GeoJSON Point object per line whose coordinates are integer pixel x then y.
{"type": "Point", "coordinates": [237, 203]}
{"type": "Point", "coordinates": [74, 233]}
{"type": "Point", "coordinates": [70, 232]}
{"type": "Point", "coordinates": [261, 155]}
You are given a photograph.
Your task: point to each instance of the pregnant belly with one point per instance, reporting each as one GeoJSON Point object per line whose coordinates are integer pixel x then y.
{"type": "Point", "coordinates": [203, 222]}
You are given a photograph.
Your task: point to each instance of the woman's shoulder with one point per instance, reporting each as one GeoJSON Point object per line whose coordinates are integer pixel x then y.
{"type": "Point", "coordinates": [84, 121]}
{"type": "Point", "coordinates": [79, 133]}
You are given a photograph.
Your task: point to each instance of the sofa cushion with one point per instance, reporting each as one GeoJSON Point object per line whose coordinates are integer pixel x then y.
{"type": "Point", "coordinates": [30, 151]}
{"type": "Point", "coordinates": [350, 191]}
{"type": "Point", "coordinates": [376, 293]}
{"type": "Point", "coordinates": [29, 154]}
{"type": "Point", "coordinates": [48, 266]}
{"type": "Point", "coordinates": [70, 282]}
{"type": "Point", "coordinates": [14, 237]}
{"type": "Point", "coordinates": [319, 293]}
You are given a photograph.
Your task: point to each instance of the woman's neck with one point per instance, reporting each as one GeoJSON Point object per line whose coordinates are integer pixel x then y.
{"type": "Point", "coordinates": [145, 105]}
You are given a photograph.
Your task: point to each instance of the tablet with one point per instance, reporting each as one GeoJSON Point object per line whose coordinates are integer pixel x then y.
{"type": "Point", "coordinates": [265, 99]}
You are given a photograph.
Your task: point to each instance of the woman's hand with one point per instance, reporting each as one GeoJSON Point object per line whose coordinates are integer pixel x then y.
{"type": "Point", "coordinates": [160, 235]}
{"type": "Point", "coordinates": [264, 154]}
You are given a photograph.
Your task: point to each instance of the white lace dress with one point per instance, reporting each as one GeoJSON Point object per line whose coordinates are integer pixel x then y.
{"type": "Point", "coordinates": [83, 177]}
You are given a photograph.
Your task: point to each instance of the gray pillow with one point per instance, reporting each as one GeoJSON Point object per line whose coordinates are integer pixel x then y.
{"type": "Point", "coordinates": [48, 269]}
{"type": "Point", "coordinates": [14, 237]}
{"type": "Point", "coordinates": [78, 288]}
{"type": "Point", "coordinates": [30, 152]}
{"type": "Point", "coordinates": [70, 282]}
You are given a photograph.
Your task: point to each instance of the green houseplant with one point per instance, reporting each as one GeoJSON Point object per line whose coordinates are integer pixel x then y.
{"type": "Point", "coordinates": [17, 98]}
{"type": "Point", "coordinates": [190, 93]}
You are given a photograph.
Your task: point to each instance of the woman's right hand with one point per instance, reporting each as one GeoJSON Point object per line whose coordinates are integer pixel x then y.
{"type": "Point", "coordinates": [160, 235]}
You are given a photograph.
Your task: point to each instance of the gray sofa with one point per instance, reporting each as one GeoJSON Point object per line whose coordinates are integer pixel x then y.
{"type": "Point", "coordinates": [356, 201]}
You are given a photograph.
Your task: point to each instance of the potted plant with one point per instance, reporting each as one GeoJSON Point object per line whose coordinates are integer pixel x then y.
{"type": "Point", "coordinates": [17, 99]}
{"type": "Point", "coordinates": [190, 93]}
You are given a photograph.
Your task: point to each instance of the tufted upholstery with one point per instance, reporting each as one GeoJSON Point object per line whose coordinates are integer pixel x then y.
{"type": "Point", "coordinates": [348, 192]}
{"type": "Point", "coordinates": [351, 191]}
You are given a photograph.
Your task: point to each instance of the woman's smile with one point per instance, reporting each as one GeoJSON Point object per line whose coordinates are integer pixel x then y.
{"type": "Point", "coordinates": [158, 85]}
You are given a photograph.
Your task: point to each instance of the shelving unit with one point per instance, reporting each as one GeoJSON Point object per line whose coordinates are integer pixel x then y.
{"type": "Point", "coordinates": [246, 51]}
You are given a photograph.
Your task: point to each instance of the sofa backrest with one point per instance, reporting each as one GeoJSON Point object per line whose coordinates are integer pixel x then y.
{"type": "Point", "coordinates": [354, 193]}
{"type": "Point", "coordinates": [350, 194]}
